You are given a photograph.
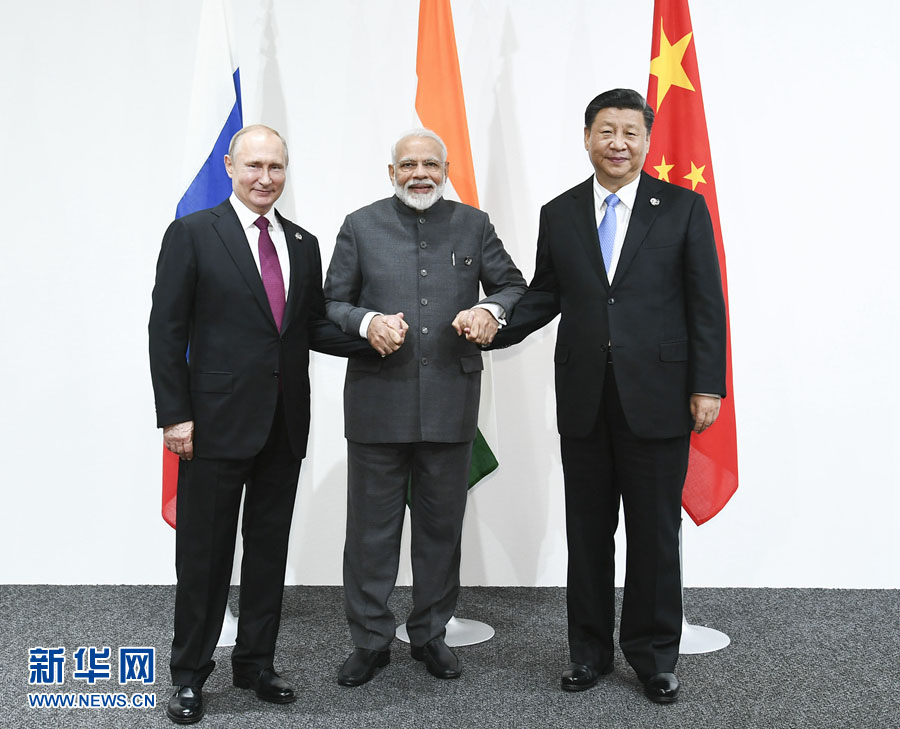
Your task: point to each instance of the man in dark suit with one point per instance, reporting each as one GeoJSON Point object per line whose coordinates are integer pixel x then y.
{"type": "Point", "coordinates": [410, 419]}
{"type": "Point", "coordinates": [239, 290]}
{"type": "Point", "coordinates": [630, 262]}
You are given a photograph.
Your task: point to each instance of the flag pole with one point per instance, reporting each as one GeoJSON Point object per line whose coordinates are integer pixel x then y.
{"type": "Point", "coordinates": [441, 107]}
{"type": "Point", "coordinates": [215, 105]}
{"type": "Point", "coordinates": [680, 154]}
{"type": "Point", "coordinates": [696, 638]}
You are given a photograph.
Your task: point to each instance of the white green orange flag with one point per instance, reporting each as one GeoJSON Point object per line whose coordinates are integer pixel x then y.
{"type": "Point", "coordinates": [679, 153]}
{"type": "Point", "coordinates": [441, 107]}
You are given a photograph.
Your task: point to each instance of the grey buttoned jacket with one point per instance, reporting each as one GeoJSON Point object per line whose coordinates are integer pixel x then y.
{"type": "Point", "coordinates": [428, 264]}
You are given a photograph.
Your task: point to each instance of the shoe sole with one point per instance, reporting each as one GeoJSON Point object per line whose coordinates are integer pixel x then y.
{"type": "Point", "coordinates": [181, 720]}
{"type": "Point", "coordinates": [245, 683]}
{"type": "Point", "coordinates": [662, 699]}
{"type": "Point", "coordinates": [578, 687]}
{"type": "Point", "coordinates": [454, 674]}
{"type": "Point", "coordinates": [418, 654]}
{"type": "Point", "coordinates": [276, 699]}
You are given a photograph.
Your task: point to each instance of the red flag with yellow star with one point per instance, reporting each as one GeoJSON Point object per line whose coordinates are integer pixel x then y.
{"type": "Point", "coordinates": [679, 153]}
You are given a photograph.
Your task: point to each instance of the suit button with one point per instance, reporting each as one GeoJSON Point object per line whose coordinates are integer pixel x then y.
{"type": "Point", "coordinates": [275, 374]}
{"type": "Point", "coordinates": [423, 302]}
{"type": "Point", "coordinates": [422, 221]}
{"type": "Point", "coordinates": [424, 360]}
{"type": "Point", "coordinates": [423, 272]}
{"type": "Point", "coordinates": [424, 330]}
{"type": "Point", "coordinates": [610, 301]}
{"type": "Point", "coordinates": [602, 347]}
{"type": "Point", "coordinates": [423, 244]}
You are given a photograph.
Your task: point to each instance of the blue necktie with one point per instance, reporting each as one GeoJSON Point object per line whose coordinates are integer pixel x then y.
{"type": "Point", "coordinates": [606, 231]}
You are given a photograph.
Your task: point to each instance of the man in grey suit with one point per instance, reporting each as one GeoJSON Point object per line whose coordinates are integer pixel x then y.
{"type": "Point", "coordinates": [410, 418]}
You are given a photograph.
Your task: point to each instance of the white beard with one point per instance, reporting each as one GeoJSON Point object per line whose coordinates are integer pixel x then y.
{"type": "Point", "coordinates": [417, 201]}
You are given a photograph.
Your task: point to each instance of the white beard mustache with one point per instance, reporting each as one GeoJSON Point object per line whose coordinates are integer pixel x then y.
{"type": "Point", "coordinates": [418, 201]}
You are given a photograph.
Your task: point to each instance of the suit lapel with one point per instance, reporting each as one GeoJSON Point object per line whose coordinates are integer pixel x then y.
{"type": "Point", "coordinates": [642, 218]}
{"type": "Point", "coordinates": [298, 268]}
{"type": "Point", "coordinates": [228, 226]}
{"type": "Point", "coordinates": [585, 224]}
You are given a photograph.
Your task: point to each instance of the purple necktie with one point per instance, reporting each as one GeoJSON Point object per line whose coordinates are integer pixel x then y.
{"type": "Point", "coordinates": [270, 269]}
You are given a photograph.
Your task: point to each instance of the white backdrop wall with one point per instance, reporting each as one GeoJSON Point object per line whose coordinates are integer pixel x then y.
{"type": "Point", "coordinates": [802, 110]}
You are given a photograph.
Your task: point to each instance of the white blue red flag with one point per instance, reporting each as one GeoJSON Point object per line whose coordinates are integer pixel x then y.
{"type": "Point", "coordinates": [215, 117]}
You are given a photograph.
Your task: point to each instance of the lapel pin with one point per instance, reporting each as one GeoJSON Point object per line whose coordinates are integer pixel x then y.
{"type": "Point", "coordinates": [298, 236]}
{"type": "Point", "coordinates": [468, 260]}
{"type": "Point", "coordinates": [654, 201]}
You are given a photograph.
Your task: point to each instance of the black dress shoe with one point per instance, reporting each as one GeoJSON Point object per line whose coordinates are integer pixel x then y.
{"type": "Point", "coordinates": [662, 688]}
{"type": "Point", "coordinates": [186, 705]}
{"type": "Point", "coordinates": [579, 676]}
{"type": "Point", "coordinates": [269, 686]}
{"type": "Point", "coordinates": [362, 665]}
{"type": "Point", "coordinates": [440, 661]}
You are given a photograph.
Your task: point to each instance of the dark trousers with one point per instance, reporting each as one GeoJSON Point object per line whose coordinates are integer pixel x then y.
{"type": "Point", "coordinates": [648, 476]}
{"type": "Point", "coordinates": [209, 499]}
{"type": "Point", "coordinates": [377, 482]}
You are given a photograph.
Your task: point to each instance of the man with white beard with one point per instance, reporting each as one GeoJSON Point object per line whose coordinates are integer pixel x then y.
{"type": "Point", "coordinates": [410, 418]}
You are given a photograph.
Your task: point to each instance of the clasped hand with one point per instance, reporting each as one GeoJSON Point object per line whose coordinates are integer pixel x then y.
{"type": "Point", "coordinates": [478, 325]}
{"type": "Point", "coordinates": [386, 333]}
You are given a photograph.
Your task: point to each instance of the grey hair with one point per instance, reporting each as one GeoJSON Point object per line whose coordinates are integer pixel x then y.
{"type": "Point", "coordinates": [420, 133]}
{"type": "Point", "coordinates": [256, 128]}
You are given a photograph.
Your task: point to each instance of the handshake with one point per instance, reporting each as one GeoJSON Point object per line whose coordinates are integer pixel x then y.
{"type": "Point", "coordinates": [387, 332]}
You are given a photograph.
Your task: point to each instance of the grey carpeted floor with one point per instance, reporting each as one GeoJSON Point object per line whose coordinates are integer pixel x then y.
{"type": "Point", "coordinates": [798, 658]}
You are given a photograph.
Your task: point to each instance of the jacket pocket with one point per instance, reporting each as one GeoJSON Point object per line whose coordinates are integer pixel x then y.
{"type": "Point", "coordinates": [561, 354]}
{"type": "Point", "coordinates": [211, 382]}
{"type": "Point", "coordinates": [471, 363]}
{"type": "Point", "coordinates": [674, 351]}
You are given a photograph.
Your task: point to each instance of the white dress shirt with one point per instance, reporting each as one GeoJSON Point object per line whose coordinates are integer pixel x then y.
{"type": "Point", "coordinates": [626, 195]}
{"type": "Point", "coordinates": [248, 220]}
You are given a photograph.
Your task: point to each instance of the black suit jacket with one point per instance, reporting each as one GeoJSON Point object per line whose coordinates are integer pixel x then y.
{"type": "Point", "coordinates": [664, 312]}
{"type": "Point", "coordinates": [209, 301]}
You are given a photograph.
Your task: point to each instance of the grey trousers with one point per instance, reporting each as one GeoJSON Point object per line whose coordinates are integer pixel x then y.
{"type": "Point", "coordinates": [379, 476]}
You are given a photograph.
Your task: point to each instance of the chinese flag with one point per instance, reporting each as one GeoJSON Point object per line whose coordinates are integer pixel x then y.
{"type": "Point", "coordinates": [679, 153]}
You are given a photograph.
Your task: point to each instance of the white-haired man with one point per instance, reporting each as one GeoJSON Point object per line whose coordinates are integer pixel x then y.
{"type": "Point", "coordinates": [410, 419]}
{"type": "Point", "coordinates": [240, 287]}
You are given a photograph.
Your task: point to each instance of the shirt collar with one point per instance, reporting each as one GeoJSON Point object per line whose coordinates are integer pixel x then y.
{"type": "Point", "coordinates": [248, 217]}
{"type": "Point", "coordinates": [626, 193]}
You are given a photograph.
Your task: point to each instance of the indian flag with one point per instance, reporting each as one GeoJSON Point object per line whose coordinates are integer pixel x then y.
{"type": "Point", "coordinates": [441, 107]}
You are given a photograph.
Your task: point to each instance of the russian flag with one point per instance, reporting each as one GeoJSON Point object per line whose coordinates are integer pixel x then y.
{"type": "Point", "coordinates": [215, 117]}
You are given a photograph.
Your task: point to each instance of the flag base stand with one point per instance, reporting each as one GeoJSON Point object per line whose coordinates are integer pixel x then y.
{"type": "Point", "coordinates": [229, 630]}
{"type": "Point", "coordinates": [696, 638]}
{"type": "Point", "coordinates": [460, 631]}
